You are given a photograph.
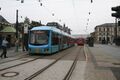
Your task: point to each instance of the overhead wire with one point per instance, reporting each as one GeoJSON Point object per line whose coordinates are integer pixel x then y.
{"type": "Point", "coordinates": [74, 12]}
{"type": "Point", "coordinates": [88, 19]}
{"type": "Point", "coordinates": [51, 12]}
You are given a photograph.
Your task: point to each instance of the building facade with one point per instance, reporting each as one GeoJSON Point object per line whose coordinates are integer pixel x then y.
{"type": "Point", "coordinates": [6, 30]}
{"type": "Point", "coordinates": [105, 33]}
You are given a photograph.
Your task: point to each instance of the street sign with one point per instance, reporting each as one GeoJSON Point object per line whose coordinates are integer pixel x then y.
{"type": "Point", "coordinates": [26, 28]}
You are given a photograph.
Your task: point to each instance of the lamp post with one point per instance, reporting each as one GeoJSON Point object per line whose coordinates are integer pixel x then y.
{"type": "Point", "coordinates": [117, 16]}
{"type": "Point", "coordinates": [17, 38]}
{"type": "Point", "coordinates": [115, 28]}
{"type": "Point", "coordinates": [17, 24]}
{"type": "Point", "coordinates": [1, 21]}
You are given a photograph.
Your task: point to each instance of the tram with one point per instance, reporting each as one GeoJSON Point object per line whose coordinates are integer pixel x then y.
{"type": "Point", "coordinates": [80, 41]}
{"type": "Point", "coordinates": [48, 40]}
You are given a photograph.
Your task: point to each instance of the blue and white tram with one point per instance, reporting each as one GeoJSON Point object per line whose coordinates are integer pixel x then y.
{"type": "Point", "coordinates": [48, 40]}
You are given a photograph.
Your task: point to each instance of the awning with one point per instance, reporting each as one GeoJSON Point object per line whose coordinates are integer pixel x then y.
{"type": "Point", "coordinates": [8, 30]}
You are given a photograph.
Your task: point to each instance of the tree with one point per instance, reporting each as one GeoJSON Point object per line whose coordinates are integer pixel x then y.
{"type": "Point", "coordinates": [27, 20]}
{"type": "Point", "coordinates": [35, 23]}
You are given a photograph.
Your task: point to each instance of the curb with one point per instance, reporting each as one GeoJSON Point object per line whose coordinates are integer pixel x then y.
{"type": "Point", "coordinates": [86, 56]}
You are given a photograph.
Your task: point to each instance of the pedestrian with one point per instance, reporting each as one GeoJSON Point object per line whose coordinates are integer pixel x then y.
{"type": "Point", "coordinates": [26, 42]}
{"type": "Point", "coordinates": [4, 47]}
{"type": "Point", "coordinates": [17, 45]}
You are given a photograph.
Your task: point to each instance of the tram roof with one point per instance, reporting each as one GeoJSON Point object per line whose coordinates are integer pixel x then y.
{"type": "Point", "coordinates": [51, 28]}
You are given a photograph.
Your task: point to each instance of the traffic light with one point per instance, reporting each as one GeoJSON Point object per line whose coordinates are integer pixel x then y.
{"type": "Point", "coordinates": [41, 4]}
{"type": "Point", "coordinates": [91, 1]}
{"type": "Point", "coordinates": [117, 10]}
{"type": "Point", "coordinates": [22, 1]}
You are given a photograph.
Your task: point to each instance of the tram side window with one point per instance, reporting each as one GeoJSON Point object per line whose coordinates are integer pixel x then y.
{"type": "Point", "coordinates": [64, 39]}
{"type": "Point", "coordinates": [55, 39]}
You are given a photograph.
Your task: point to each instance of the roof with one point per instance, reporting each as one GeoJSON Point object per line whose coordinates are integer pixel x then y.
{"type": "Point", "coordinates": [106, 25]}
{"type": "Point", "coordinates": [52, 29]}
{"type": "Point", "coordinates": [8, 30]}
{"type": "Point", "coordinates": [2, 19]}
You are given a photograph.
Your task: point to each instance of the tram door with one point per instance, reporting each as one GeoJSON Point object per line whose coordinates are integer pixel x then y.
{"type": "Point", "coordinates": [61, 42]}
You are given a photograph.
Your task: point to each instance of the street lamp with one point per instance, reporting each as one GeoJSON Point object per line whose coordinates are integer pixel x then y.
{"type": "Point", "coordinates": [17, 24]}
{"type": "Point", "coordinates": [17, 38]}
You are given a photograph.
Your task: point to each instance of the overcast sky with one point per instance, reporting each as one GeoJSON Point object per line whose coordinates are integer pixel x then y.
{"type": "Point", "coordinates": [80, 15]}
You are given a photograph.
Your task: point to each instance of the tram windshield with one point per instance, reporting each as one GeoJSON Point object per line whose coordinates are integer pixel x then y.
{"type": "Point", "coordinates": [38, 37]}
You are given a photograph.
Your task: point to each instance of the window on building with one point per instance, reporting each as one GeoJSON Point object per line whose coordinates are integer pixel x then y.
{"type": "Point", "coordinates": [107, 29]}
{"type": "Point", "coordinates": [99, 38]}
{"type": "Point", "coordinates": [108, 39]}
{"type": "Point", "coordinates": [104, 29]}
{"type": "Point", "coordinates": [103, 33]}
{"type": "Point", "coordinates": [99, 33]}
{"type": "Point", "coordinates": [99, 29]}
{"type": "Point", "coordinates": [55, 39]}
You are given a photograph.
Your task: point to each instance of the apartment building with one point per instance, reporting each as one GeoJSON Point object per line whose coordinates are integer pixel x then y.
{"type": "Point", "coordinates": [106, 33]}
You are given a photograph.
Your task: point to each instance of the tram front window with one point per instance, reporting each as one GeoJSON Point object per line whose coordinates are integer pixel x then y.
{"type": "Point", "coordinates": [38, 37]}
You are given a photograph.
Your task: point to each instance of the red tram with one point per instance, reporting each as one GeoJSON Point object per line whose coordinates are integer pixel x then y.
{"type": "Point", "coordinates": [80, 41]}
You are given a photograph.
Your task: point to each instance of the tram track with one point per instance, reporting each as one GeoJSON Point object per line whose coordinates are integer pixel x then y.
{"type": "Point", "coordinates": [41, 57]}
{"type": "Point", "coordinates": [20, 64]}
{"type": "Point", "coordinates": [68, 75]}
{"type": "Point", "coordinates": [50, 65]}
{"type": "Point", "coordinates": [23, 56]}
{"type": "Point", "coordinates": [45, 68]}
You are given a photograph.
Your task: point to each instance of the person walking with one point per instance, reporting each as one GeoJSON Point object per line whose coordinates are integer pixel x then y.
{"type": "Point", "coordinates": [17, 45]}
{"type": "Point", "coordinates": [4, 47]}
